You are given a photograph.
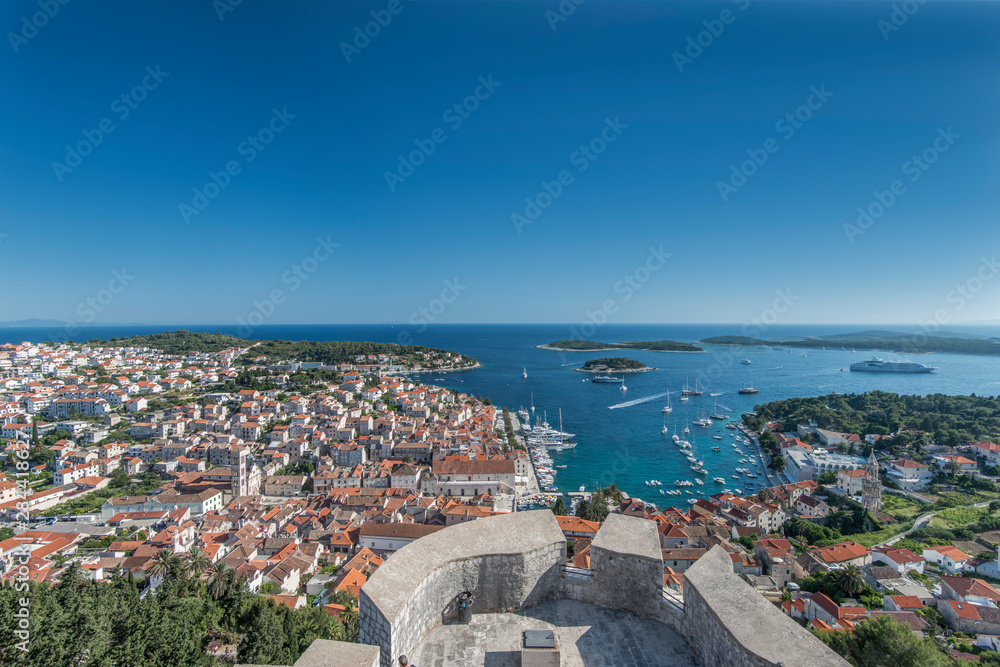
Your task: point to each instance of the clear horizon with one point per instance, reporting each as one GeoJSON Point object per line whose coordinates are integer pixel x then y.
{"type": "Point", "coordinates": [502, 162]}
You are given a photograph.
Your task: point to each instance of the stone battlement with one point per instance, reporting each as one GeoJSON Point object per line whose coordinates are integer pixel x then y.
{"type": "Point", "coordinates": [515, 566]}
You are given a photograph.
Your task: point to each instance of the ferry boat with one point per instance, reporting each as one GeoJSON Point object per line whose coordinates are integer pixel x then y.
{"type": "Point", "coordinates": [876, 365]}
{"type": "Point", "coordinates": [607, 379]}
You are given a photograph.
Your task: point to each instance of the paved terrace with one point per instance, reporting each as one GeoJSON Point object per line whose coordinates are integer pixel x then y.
{"type": "Point", "coordinates": [586, 635]}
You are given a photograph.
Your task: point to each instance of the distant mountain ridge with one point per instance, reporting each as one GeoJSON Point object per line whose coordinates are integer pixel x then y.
{"type": "Point", "coordinates": [890, 341]}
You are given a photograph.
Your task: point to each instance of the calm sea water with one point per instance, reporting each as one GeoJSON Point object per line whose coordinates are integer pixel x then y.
{"type": "Point", "coordinates": [625, 445]}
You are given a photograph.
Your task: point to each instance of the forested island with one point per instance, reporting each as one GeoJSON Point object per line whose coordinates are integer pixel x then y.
{"type": "Point", "coordinates": [890, 341]}
{"type": "Point", "coordinates": [648, 345]}
{"type": "Point", "coordinates": [613, 365]}
{"type": "Point", "coordinates": [948, 420]}
{"type": "Point", "coordinates": [279, 351]}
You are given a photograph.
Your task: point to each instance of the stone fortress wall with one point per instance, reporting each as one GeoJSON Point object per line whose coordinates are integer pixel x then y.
{"type": "Point", "coordinates": [515, 561]}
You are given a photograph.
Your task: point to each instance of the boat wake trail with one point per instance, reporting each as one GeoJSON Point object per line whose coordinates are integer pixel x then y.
{"type": "Point", "coordinates": [628, 404]}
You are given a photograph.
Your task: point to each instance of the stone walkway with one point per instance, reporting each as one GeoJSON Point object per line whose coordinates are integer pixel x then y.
{"type": "Point", "coordinates": [588, 636]}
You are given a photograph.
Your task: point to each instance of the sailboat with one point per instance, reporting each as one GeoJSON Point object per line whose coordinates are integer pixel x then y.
{"type": "Point", "coordinates": [532, 401]}
{"type": "Point", "coordinates": [525, 373]}
{"type": "Point", "coordinates": [687, 391]}
{"type": "Point", "coordinates": [667, 408]}
{"type": "Point", "coordinates": [664, 431]}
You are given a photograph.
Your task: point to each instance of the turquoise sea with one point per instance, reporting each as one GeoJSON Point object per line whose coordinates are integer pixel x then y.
{"type": "Point", "coordinates": [625, 445]}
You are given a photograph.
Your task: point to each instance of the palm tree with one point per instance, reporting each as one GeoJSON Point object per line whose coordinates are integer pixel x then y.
{"type": "Point", "coordinates": [197, 561]}
{"type": "Point", "coordinates": [218, 579]}
{"type": "Point", "coordinates": [161, 563]}
{"type": "Point", "coordinates": [850, 580]}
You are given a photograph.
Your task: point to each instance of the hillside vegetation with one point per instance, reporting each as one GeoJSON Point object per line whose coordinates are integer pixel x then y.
{"type": "Point", "coordinates": [875, 340]}
{"type": "Point", "coordinates": [326, 352]}
{"type": "Point", "coordinates": [650, 345]}
{"type": "Point", "coordinates": [949, 420]}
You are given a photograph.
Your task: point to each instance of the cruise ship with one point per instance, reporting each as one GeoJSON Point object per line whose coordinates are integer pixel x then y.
{"type": "Point", "coordinates": [607, 379]}
{"type": "Point", "coordinates": [877, 365]}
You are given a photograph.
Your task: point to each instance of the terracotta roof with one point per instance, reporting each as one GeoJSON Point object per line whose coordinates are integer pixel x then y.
{"type": "Point", "coordinates": [840, 552]}
{"type": "Point", "coordinates": [965, 586]}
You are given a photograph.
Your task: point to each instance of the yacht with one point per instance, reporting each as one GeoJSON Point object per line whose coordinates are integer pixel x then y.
{"type": "Point", "coordinates": [717, 437]}
{"type": "Point", "coordinates": [716, 449]}
{"type": "Point", "coordinates": [718, 480]}
{"type": "Point", "coordinates": [745, 362]}
{"type": "Point", "coordinates": [876, 365]}
{"type": "Point", "coordinates": [748, 390]}
{"type": "Point", "coordinates": [687, 391]}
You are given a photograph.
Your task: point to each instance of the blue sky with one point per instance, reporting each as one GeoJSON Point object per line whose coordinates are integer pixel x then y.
{"type": "Point", "coordinates": [669, 139]}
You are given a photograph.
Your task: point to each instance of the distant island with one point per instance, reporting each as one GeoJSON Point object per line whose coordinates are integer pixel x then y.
{"type": "Point", "coordinates": [613, 365]}
{"type": "Point", "coordinates": [592, 346]}
{"type": "Point", "coordinates": [890, 341]}
{"type": "Point", "coordinates": [331, 352]}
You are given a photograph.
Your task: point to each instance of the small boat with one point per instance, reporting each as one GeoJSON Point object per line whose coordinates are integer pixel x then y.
{"type": "Point", "coordinates": [745, 362]}
{"type": "Point", "coordinates": [684, 399]}
{"type": "Point", "coordinates": [716, 449]}
{"type": "Point", "coordinates": [715, 393]}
